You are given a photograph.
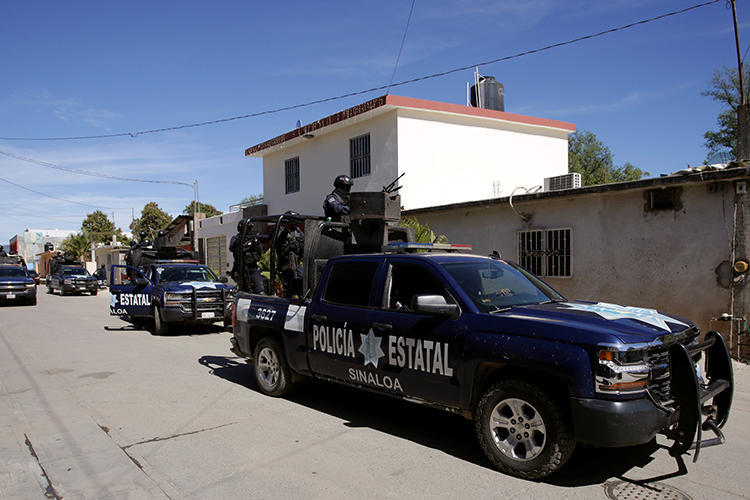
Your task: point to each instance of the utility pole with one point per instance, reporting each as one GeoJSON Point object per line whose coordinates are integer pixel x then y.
{"type": "Point", "coordinates": [194, 232]}
{"type": "Point", "coordinates": [743, 115]}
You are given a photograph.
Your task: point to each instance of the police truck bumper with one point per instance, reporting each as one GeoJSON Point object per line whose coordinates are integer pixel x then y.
{"type": "Point", "coordinates": [618, 423]}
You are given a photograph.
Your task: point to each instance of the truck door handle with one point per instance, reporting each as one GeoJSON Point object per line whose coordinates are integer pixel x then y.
{"type": "Point", "coordinates": [319, 317]}
{"type": "Point", "coordinates": [383, 326]}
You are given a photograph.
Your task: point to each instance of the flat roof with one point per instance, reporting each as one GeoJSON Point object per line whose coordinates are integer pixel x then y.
{"type": "Point", "coordinates": [740, 170]}
{"type": "Point", "coordinates": [391, 102]}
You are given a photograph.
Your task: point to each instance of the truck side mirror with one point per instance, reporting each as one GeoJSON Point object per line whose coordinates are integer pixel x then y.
{"type": "Point", "coordinates": [435, 304]}
{"type": "Point", "coordinates": [223, 279]}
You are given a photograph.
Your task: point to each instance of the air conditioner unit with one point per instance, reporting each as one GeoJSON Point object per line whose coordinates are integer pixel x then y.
{"type": "Point", "coordinates": [560, 182]}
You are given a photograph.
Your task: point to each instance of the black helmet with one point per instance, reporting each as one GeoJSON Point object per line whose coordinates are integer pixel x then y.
{"type": "Point", "coordinates": [343, 181]}
{"type": "Point", "coordinates": [161, 233]}
{"type": "Point", "coordinates": [142, 234]}
{"type": "Point", "coordinates": [240, 225]}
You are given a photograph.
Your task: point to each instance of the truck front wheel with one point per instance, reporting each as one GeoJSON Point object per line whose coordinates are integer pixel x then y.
{"type": "Point", "coordinates": [160, 326]}
{"type": "Point", "coordinates": [522, 430]}
{"type": "Point", "coordinates": [271, 369]}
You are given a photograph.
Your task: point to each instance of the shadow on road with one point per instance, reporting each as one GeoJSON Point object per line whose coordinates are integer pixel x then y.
{"type": "Point", "coordinates": [447, 432]}
{"type": "Point", "coordinates": [175, 329]}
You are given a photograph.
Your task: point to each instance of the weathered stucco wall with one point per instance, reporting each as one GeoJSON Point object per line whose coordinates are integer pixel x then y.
{"type": "Point", "coordinates": [621, 253]}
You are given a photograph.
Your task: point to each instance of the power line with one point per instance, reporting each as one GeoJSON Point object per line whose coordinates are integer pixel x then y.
{"type": "Point", "coordinates": [403, 41]}
{"type": "Point", "coordinates": [55, 197]}
{"type": "Point", "coordinates": [87, 172]}
{"type": "Point", "coordinates": [373, 89]}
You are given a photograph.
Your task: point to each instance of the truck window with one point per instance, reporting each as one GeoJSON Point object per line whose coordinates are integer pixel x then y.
{"type": "Point", "coordinates": [350, 283]}
{"type": "Point", "coordinates": [406, 282]}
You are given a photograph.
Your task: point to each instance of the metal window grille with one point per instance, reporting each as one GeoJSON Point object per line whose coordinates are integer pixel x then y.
{"type": "Point", "coordinates": [359, 156]}
{"type": "Point", "coordinates": [291, 172]}
{"type": "Point", "coordinates": [546, 252]}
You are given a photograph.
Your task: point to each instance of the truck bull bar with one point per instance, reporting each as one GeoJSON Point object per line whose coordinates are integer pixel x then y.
{"type": "Point", "coordinates": [194, 302]}
{"type": "Point", "coordinates": [691, 394]}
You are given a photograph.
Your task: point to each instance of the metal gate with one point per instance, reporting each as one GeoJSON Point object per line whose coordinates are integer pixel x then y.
{"type": "Point", "coordinates": [216, 254]}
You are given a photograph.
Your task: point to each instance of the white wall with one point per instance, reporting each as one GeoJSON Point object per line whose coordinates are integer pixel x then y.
{"type": "Point", "coordinates": [454, 160]}
{"type": "Point", "coordinates": [323, 158]}
{"type": "Point", "coordinates": [220, 225]}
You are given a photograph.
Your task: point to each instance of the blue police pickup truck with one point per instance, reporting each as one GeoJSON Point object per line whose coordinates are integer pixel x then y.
{"type": "Point", "coordinates": [484, 338]}
{"type": "Point", "coordinates": [16, 284]}
{"type": "Point", "coordinates": [169, 292]}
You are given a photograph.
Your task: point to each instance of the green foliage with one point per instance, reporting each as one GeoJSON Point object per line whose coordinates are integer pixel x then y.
{"type": "Point", "coordinates": [203, 208]}
{"type": "Point", "coordinates": [725, 89]}
{"type": "Point", "coordinates": [253, 199]}
{"type": "Point", "coordinates": [424, 233]}
{"type": "Point", "coordinates": [98, 227]}
{"type": "Point", "coordinates": [588, 156]}
{"type": "Point", "coordinates": [152, 220]}
{"type": "Point", "coordinates": [77, 244]}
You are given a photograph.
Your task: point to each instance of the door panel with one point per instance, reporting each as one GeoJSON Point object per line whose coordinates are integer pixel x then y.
{"type": "Point", "coordinates": [130, 292]}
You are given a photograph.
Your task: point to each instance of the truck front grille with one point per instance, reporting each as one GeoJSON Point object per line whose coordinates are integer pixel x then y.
{"type": "Point", "coordinates": [658, 359]}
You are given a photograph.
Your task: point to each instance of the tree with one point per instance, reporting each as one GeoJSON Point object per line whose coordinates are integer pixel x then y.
{"type": "Point", "coordinates": [588, 156]}
{"type": "Point", "coordinates": [98, 227]}
{"type": "Point", "coordinates": [423, 232]}
{"type": "Point", "coordinates": [152, 220]}
{"type": "Point", "coordinates": [204, 208]}
{"type": "Point", "coordinates": [78, 245]}
{"type": "Point", "coordinates": [725, 89]}
{"type": "Point", "coordinates": [253, 199]}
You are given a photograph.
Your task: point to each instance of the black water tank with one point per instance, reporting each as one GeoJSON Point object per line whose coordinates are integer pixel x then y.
{"type": "Point", "coordinates": [491, 94]}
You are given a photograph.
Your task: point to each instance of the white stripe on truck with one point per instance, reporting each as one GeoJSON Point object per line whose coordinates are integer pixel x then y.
{"type": "Point", "coordinates": [295, 318]}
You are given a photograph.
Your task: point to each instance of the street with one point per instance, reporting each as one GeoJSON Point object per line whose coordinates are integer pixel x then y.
{"type": "Point", "coordinates": [93, 407]}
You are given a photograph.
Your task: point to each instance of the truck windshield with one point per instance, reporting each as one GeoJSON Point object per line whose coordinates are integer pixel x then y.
{"type": "Point", "coordinates": [12, 272]}
{"type": "Point", "coordinates": [185, 273]}
{"type": "Point", "coordinates": [496, 285]}
{"type": "Point", "coordinates": [75, 271]}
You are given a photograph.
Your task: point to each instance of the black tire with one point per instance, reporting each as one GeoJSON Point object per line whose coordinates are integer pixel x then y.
{"type": "Point", "coordinates": [541, 440]}
{"type": "Point", "coordinates": [161, 327]}
{"type": "Point", "coordinates": [95, 292]}
{"type": "Point", "coordinates": [32, 301]}
{"type": "Point", "coordinates": [272, 372]}
{"type": "Point", "coordinates": [62, 291]}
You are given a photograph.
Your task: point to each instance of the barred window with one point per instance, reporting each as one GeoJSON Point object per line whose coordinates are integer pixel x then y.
{"type": "Point", "coordinates": [546, 252]}
{"type": "Point", "coordinates": [291, 172]}
{"type": "Point", "coordinates": [359, 156]}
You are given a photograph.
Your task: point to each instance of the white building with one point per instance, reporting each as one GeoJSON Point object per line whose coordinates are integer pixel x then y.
{"type": "Point", "coordinates": [450, 154]}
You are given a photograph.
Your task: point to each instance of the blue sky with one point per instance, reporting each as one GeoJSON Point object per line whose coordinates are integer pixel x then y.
{"type": "Point", "coordinates": [91, 68]}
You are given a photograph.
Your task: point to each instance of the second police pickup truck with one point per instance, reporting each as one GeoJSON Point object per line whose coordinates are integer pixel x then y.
{"type": "Point", "coordinates": [168, 291]}
{"type": "Point", "coordinates": [484, 338]}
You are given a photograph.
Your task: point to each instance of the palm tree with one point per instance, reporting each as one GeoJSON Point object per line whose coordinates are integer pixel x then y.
{"type": "Point", "coordinates": [76, 244]}
{"type": "Point", "coordinates": [424, 233]}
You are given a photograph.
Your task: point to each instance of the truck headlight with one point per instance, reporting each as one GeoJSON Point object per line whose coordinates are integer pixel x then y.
{"type": "Point", "coordinates": [67, 281]}
{"type": "Point", "coordinates": [30, 285]}
{"type": "Point", "coordinates": [623, 371]}
{"type": "Point", "coordinates": [175, 297]}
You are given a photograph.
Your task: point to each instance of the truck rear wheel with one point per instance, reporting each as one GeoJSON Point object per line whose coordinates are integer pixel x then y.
{"type": "Point", "coordinates": [271, 370]}
{"type": "Point", "coordinates": [522, 430]}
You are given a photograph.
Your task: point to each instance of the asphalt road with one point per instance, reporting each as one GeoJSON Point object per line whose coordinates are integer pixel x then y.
{"type": "Point", "coordinates": [91, 407]}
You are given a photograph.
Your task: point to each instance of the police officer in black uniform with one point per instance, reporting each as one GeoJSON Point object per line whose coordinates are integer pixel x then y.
{"type": "Point", "coordinates": [3, 253]}
{"type": "Point", "coordinates": [245, 271]}
{"type": "Point", "coordinates": [338, 203]}
{"type": "Point", "coordinates": [290, 244]}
